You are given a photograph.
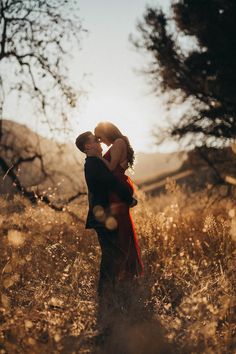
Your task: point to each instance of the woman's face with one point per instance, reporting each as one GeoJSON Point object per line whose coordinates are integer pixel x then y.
{"type": "Point", "coordinates": [102, 138]}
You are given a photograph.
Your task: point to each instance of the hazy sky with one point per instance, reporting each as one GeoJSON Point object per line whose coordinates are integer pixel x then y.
{"type": "Point", "coordinates": [115, 91]}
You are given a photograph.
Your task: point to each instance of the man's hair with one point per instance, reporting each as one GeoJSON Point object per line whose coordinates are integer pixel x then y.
{"type": "Point", "coordinates": [82, 139]}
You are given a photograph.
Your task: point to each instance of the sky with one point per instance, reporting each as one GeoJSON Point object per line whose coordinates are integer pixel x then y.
{"type": "Point", "coordinates": [108, 68]}
{"type": "Point", "coordinates": [117, 92]}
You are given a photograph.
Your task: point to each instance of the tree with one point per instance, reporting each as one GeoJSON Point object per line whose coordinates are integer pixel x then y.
{"type": "Point", "coordinates": [39, 168]}
{"type": "Point", "coordinates": [36, 38]}
{"type": "Point", "coordinates": [203, 72]}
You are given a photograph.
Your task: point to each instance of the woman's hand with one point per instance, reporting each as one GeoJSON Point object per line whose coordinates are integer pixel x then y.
{"type": "Point", "coordinates": [134, 203]}
{"type": "Point", "coordinates": [94, 152]}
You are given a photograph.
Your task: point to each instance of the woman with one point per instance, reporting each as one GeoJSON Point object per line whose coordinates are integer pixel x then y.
{"type": "Point", "coordinates": [118, 158]}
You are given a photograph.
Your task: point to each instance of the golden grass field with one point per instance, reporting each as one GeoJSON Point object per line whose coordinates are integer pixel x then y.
{"type": "Point", "coordinates": [185, 303]}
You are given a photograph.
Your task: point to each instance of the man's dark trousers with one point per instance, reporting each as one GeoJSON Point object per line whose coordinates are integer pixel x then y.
{"type": "Point", "coordinates": [110, 255]}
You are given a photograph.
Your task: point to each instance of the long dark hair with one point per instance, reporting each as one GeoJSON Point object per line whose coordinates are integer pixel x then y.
{"type": "Point", "coordinates": [112, 133]}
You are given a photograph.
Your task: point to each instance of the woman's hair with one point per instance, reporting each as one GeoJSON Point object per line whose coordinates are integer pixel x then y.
{"type": "Point", "coordinates": [111, 132]}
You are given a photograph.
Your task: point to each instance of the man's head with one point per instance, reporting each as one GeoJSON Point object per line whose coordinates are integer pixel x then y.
{"type": "Point", "coordinates": [87, 142]}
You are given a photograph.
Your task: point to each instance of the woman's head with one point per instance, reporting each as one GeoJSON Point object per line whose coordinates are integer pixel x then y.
{"type": "Point", "coordinates": [108, 132]}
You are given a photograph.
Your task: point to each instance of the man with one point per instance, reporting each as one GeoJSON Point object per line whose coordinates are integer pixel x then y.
{"type": "Point", "coordinates": [100, 181]}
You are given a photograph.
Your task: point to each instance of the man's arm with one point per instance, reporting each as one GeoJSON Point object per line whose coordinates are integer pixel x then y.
{"type": "Point", "coordinates": [105, 177]}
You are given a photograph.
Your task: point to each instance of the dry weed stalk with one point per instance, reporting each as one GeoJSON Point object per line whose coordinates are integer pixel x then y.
{"type": "Point", "coordinates": [49, 270]}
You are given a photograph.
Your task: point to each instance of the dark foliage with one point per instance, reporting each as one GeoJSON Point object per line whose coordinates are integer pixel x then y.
{"type": "Point", "coordinates": [205, 74]}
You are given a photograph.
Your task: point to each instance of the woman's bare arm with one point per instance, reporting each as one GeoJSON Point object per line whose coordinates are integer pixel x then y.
{"type": "Point", "coordinates": [116, 154]}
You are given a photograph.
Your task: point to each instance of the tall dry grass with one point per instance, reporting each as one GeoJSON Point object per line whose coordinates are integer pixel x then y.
{"type": "Point", "coordinates": [185, 303]}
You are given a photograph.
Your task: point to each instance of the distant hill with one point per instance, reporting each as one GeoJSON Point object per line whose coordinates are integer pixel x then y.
{"type": "Point", "coordinates": [200, 167]}
{"type": "Point", "coordinates": [57, 170]}
{"type": "Point", "coordinates": [63, 164]}
{"type": "Point", "coordinates": [151, 165]}
{"type": "Point", "coordinates": [45, 166]}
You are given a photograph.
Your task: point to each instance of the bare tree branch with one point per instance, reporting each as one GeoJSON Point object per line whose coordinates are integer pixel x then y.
{"type": "Point", "coordinates": [39, 36]}
{"type": "Point", "coordinates": [33, 196]}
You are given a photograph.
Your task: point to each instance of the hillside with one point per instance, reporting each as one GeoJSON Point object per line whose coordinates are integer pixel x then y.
{"type": "Point", "coordinates": [151, 165]}
{"type": "Point", "coordinates": [38, 163]}
{"type": "Point", "coordinates": [201, 168]}
{"type": "Point", "coordinates": [47, 166]}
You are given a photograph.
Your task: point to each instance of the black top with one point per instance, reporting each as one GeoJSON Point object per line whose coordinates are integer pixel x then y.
{"type": "Point", "coordinates": [100, 181]}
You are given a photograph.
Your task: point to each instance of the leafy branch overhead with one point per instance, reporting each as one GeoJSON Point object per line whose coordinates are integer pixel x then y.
{"type": "Point", "coordinates": [193, 53]}
{"type": "Point", "coordinates": [37, 37]}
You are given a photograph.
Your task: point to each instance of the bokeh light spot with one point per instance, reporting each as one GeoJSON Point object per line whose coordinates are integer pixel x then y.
{"type": "Point", "coordinates": [99, 213]}
{"type": "Point", "coordinates": [111, 223]}
{"type": "Point", "coordinates": [15, 238]}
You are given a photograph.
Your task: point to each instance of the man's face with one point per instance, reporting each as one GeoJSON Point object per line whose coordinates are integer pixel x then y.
{"type": "Point", "coordinates": [93, 144]}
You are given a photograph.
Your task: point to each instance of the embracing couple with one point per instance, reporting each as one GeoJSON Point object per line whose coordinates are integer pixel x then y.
{"type": "Point", "coordinates": [110, 196]}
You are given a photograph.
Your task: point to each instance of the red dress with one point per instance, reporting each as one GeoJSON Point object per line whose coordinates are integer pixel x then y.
{"type": "Point", "coordinates": [130, 263]}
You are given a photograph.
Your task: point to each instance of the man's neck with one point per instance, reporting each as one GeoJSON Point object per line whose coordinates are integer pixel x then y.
{"type": "Point", "coordinates": [90, 155]}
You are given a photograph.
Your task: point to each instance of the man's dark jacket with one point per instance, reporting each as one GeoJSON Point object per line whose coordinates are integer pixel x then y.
{"type": "Point", "coordinates": [100, 181]}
